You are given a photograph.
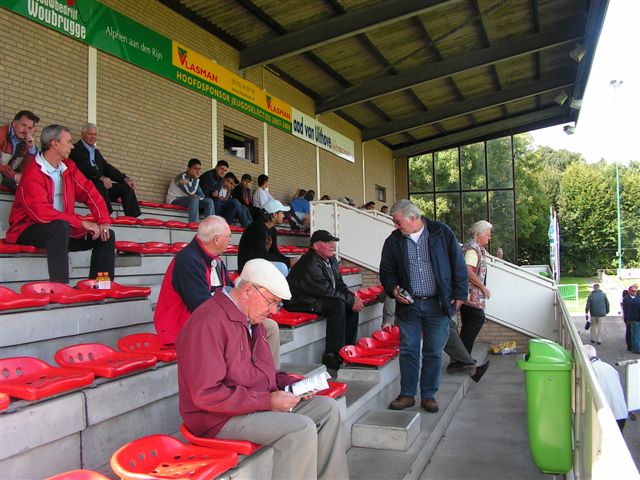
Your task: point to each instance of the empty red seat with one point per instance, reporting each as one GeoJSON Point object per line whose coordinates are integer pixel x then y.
{"type": "Point", "coordinates": [241, 447]}
{"type": "Point", "coordinates": [144, 203]}
{"type": "Point", "coordinates": [161, 456]}
{"type": "Point", "coordinates": [231, 249]}
{"type": "Point", "coordinates": [374, 356]}
{"type": "Point", "coordinates": [4, 401]}
{"type": "Point", "coordinates": [368, 343]}
{"type": "Point", "coordinates": [102, 360]}
{"type": "Point", "coordinates": [79, 475]}
{"type": "Point", "coordinates": [150, 222]}
{"type": "Point", "coordinates": [173, 207]}
{"type": "Point", "coordinates": [193, 225]}
{"type": "Point", "coordinates": [10, 300]}
{"type": "Point", "coordinates": [292, 319]}
{"type": "Point", "coordinates": [335, 390]}
{"type": "Point", "coordinates": [128, 247]}
{"type": "Point", "coordinates": [177, 246]}
{"type": "Point", "coordinates": [61, 293]}
{"type": "Point", "coordinates": [236, 228]}
{"type": "Point", "coordinates": [30, 378]}
{"type": "Point", "coordinates": [116, 291]}
{"type": "Point", "coordinates": [176, 224]}
{"type": "Point", "coordinates": [150, 248]}
{"type": "Point", "coordinates": [386, 338]}
{"type": "Point", "coordinates": [148, 343]}
{"type": "Point", "coordinates": [124, 220]}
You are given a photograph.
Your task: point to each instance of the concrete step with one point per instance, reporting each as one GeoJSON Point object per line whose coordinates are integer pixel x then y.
{"type": "Point", "coordinates": [386, 430]}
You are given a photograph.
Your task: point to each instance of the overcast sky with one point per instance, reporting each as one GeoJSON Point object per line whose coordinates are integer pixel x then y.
{"type": "Point", "coordinates": [608, 116]}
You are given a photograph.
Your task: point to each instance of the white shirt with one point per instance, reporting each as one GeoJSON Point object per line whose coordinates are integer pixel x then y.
{"type": "Point", "coordinates": [610, 383]}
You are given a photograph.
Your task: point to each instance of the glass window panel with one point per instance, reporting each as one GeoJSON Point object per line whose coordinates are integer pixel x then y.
{"type": "Point", "coordinates": [499, 168]}
{"type": "Point", "coordinates": [447, 174]}
{"type": "Point", "coordinates": [501, 208]}
{"type": "Point", "coordinates": [424, 203]}
{"type": "Point", "coordinates": [472, 166]}
{"type": "Point", "coordinates": [448, 211]}
{"type": "Point", "coordinates": [474, 208]}
{"type": "Point", "coordinates": [421, 173]}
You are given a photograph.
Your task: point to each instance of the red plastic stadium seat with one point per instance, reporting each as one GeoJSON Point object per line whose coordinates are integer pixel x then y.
{"type": "Point", "coordinates": [29, 378]}
{"type": "Point", "coordinates": [124, 220]}
{"type": "Point", "coordinates": [233, 276]}
{"type": "Point", "coordinates": [5, 189]}
{"type": "Point", "coordinates": [61, 293]}
{"type": "Point", "coordinates": [79, 475]}
{"type": "Point", "coordinates": [193, 225]}
{"type": "Point", "coordinates": [128, 247]}
{"type": "Point", "coordinates": [236, 228]}
{"type": "Point", "coordinates": [103, 361]}
{"type": "Point", "coordinates": [393, 330]}
{"type": "Point", "coordinates": [10, 300]}
{"type": "Point", "coordinates": [335, 390]}
{"type": "Point", "coordinates": [231, 249]}
{"type": "Point", "coordinates": [31, 249]}
{"type": "Point", "coordinates": [144, 203]}
{"type": "Point", "coordinates": [9, 247]}
{"type": "Point", "coordinates": [241, 447]}
{"type": "Point", "coordinates": [368, 343]}
{"type": "Point", "coordinates": [177, 246]}
{"type": "Point", "coordinates": [116, 291]}
{"type": "Point", "coordinates": [292, 319]}
{"type": "Point", "coordinates": [161, 456]}
{"type": "Point", "coordinates": [4, 401]}
{"type": "Point", "coordinates": [284, 248]}
{"type": "Point", "coordinates": [375, 356]}
{"type": "Point", "coordinates": [173, 207]}
{"type": "Point", "coordinates": [150, 222]}
{"type": "Point", "coordinates": [176, 224]}
{"type": "Point", "coordinates": [148, 343]}
{"type": "Point", "coordinates": [386, 339]}
{"type": "Point", "coordinates": [155, 248]}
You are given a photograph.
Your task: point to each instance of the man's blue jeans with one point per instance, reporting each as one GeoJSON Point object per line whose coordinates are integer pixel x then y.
{"type": "Point", "coordinates": [195, 205]}
{"type": "Point", "coordinates": [426, 317]}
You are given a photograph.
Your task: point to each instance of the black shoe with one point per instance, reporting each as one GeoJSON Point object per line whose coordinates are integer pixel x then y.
{"type": "Point", "coordinates": [480, 371]}
{"type": "Point", "coordinates": [332, 361]}
{"type": "Point", "coordinates": [459, 367]}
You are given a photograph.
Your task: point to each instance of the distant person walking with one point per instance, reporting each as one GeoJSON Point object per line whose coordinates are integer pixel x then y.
{"type": "Point", "coordinates": [598, 307]}
{"type": "Point", "coordinates": [627, 298]}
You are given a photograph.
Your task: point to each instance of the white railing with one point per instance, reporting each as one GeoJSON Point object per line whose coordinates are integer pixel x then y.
{"type": "Point", "coordinates": [600, 452]}
{"type": "Point", "coordinates": [361, 232]}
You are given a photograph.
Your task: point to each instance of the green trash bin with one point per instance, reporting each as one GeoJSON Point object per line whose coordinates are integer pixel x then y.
{"type": "Point", "coordinates": [547, 367]}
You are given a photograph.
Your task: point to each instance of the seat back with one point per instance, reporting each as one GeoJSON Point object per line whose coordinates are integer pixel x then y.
{"type": "Point", "coordinates": [17, 367]}
{"type": "Point", "coordinates": [82, 353]}
{"type": "Point", "coordinates": [367, 342]}
{"type": "Point", "coordinates": [79, 475]}
{"type": "Point", "coordinates": [147, 343]}
{"type": "Point", "coordinates": [241, 447]}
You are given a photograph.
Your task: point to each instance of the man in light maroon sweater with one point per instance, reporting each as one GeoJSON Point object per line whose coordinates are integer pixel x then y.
{"type": "Point", "coordinates": [229, 387]}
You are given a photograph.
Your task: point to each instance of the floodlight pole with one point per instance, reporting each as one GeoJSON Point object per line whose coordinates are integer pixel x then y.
{"type": "Point", "coordinates": [616, 84]}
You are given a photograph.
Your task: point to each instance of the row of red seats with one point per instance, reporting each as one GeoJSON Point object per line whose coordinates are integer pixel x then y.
{"type": "Point", "coordinates": [30, 378]}
{"type": "Point", "coordinates": [37, 294]}
{"type": "Point", "coordinates": [349, 270]}
{"type": "Point", "coordinates": [291, 249]}
{"type": "Point", "coordinates": [369, 295]}
{"type": "Point", "coordinates": [376, 351]}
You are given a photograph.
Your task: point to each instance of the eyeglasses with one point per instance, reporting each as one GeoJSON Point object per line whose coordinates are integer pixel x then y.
{"type": "Point", "coordinates": [270, 303]}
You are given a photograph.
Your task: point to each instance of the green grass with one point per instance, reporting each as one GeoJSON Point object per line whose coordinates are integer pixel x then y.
{"type": "Point", "coordinates": [584, 288]}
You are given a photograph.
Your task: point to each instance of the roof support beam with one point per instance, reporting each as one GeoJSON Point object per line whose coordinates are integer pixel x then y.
{"type": "Point", "coordinates": [332, 30]}
{"type": "Point", "coordinates": [549, 116]}
{"type": "Point", "coordinates": [471, 105]}
{"type": "Point", "coordinates": [508, 49]}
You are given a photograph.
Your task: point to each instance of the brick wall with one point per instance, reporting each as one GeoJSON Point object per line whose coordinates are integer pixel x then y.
{"type": "Point", "coordinates": [494, 333]}
{"type": "Point", "coordinates": [30, 53]}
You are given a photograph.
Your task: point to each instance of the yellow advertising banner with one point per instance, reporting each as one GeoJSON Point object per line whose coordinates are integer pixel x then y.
{"type": "Point", "coordinates": [247, 95]}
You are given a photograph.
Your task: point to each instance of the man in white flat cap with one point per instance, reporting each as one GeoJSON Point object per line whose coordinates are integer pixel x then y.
{"type": "Point", "coordinates": [230, 389]}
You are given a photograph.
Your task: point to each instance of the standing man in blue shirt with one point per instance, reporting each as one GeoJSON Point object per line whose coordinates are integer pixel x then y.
{"type": "Point", "coordinates": [422, 267]}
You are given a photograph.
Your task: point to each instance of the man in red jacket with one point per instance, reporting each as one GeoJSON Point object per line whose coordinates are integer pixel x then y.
{"type": "Point", "coordinates": [229, 388]}
{"type": "Point", "coordinates": [17, 147]}
{"type": "Point", "coordinates": [43, 211]}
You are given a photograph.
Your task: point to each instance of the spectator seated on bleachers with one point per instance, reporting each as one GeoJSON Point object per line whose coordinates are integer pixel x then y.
{"type": "Point", "coordinates": [243, 214]}
{"type": "Point", "coordinates": [260, 197]}
{"type": "Point", "coordinates": [300, 209]}
{"type": "Point", "coordinates": [108, 180]}
{"type": "Point", "coordinates": [43, 214]}
{"type": "Point", "coordinates": [260, 239]}
{"type": "Point", "coordinates": [228, 394]}
{"type": "Point", "coordinates": [17, 147]}
{"type": "Point", "coordinates": [213, 186]}
{"type": "Point", "coordinates": [242, 192]}
{"type": "Point", "coordinates": [195, 273]}
{"type": "Point", "coordinates": [185, 191]}
{"type": "Point", "coordinates": [318, 287]}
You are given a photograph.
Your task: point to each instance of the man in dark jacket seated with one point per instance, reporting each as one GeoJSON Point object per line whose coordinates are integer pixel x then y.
{"type": "Point", "coordinates": [110, 182]}
{"type": "Point", "coordinates": [317, 286]}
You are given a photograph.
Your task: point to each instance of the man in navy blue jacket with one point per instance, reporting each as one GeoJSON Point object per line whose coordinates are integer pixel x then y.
{"type": "Point", "coordinates": [422, 267]}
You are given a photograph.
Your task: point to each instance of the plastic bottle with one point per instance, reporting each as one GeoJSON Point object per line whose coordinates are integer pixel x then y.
{"type": "Point", "coordinates": [103, 281]}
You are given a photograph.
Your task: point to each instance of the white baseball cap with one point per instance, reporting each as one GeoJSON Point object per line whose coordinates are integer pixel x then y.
{"type": "Point", "coordinates": [263, 273]}
{"type": "Point", "coordinates": [273, 206]}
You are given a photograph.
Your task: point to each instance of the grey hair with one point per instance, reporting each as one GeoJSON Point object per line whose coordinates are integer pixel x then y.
{"type": "Point", "coordinates": [590, 351]}
{"type": "Point", "coordinates": [210, 227]}
{"type": "Point", "coordinates": [479, 227]}
{"type": "Point", "coordinates": [89, 126]}
{"type": "Point", "coordinates": [407, 208]}
{"type": "Point", "coordinates": [51, 133]}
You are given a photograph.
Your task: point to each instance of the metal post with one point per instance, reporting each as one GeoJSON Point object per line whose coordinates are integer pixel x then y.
{"type": "Point", "coordinates": [617, 84]}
